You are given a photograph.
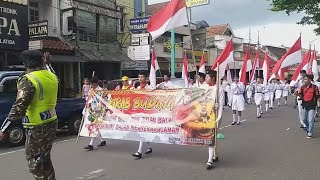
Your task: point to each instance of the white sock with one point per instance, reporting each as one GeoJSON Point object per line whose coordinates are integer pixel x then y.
{"type": "Point", "coordinates": [239, 117]}
{"type": "Point", "coordinates": [140, 147]}
{"type": "Point", "coordinates": [211, 153]}
{"type": "Point", "coordinates": [267, 107]}
{"type": "Point", "coordinates": [148, 144]}
{"type": "Point", "coordinates": [285, 102]}
{"type": "Point", "coordinates": [91, 141]}
{"type": "Point", "coordinates": [234, 117]}
{"type": "Point", "coordinates": [260, 107]}
{"type": "Point", "coordinates": [258, 111]}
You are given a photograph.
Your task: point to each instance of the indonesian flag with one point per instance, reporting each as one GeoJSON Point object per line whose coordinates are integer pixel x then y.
{"type": "Point", "coordinates": [296, 76]}
{"type": "Point", "coordinates": [202, 66]}
{"type": "Point", "coordinates": [224, 59]}
{"type": "Point", "coordinates": [255, 66]}
{"type": "Point", "coordinates": [314, 67]}
{"type": "Point", "coordinates": [185, 71]}
{"type": "Point", "coordinates": [173, 15]}
{"type": "Point", "coordinates": [293, 56]}
{"type": "Point", "coordinates": [266, 68]}
{"type": "Point", "coordinates": [153, 69]}
{"type": "Point", "coordinates": [243, 71]}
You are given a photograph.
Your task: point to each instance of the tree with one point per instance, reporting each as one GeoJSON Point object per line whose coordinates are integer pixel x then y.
{"type": "Point", "coordinates": [311, 8]}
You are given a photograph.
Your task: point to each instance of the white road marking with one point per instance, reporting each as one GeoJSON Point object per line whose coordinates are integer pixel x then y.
{"type": "Point", "coordinates": [93, 175]}
{"type": "Point", "coordinates": [19, 150]}
{"type": "Point", "coordinates": [232, 125]}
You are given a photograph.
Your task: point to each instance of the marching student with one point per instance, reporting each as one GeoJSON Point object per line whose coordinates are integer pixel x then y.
{"type": "Point", "coordinates": [299, 84]}
{"type": "Point", "coordinates": [229, 95]}
{"type": "Point", "coordinates": [95, 86]}
{"type": "Point", "coordinates": [279, 88]}
{"type": "Point", "coordinates": [237, 88]}
{"type": "Point", "coordinates": [166, 84]}
{"type": "Point", "coordinates": [143, 85]}
{"type": "Point", "coordinates": [272, 90]}
{"type": "Point", "coordinates": [249, 90]}
{"type": "Point", "coordinates": [211, 87]}
{"type": "Point", "coordinates": [285, 92]}
{"type": "Point", "coordinates": [266, 96]}
{"type": "Point", "coordinates": [258, 96]}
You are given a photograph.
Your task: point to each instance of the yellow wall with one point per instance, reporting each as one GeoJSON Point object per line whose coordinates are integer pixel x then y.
{"type": "Point", "coordinates": [129, 14]}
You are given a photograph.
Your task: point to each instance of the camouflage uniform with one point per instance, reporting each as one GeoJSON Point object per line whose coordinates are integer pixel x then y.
{"type": "Point", "coordinates": [39, 138]}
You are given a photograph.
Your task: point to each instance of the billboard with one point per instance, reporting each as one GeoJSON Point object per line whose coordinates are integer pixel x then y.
{"type": "Point", "coordinates": [138, 24]}
{"type": "Point", "coordinates": [13, 26]}
{"type": "Point", "coordinates": [193, 3]}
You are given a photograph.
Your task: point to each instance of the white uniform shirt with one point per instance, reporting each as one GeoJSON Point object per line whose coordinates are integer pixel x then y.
{"type": "Point", "coordinates": [165, 85]}
{"type": "Point", "coordinates": [237, 88]}
{"type": "Point", "coordinates": [259, 88]}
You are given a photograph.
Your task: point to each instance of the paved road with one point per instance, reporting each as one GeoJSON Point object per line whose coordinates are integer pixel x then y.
{"type": "Point", "coordinates": [270, 148]}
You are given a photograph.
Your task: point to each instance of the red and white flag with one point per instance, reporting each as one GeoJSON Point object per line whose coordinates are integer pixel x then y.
{"type": "Point", "coordinates": [173, 15]}
{"type": "Point", "coordinates": [266, 68]}
{"type": "Point", "coordinates": [224, 59]}
{"type": "Point", "coordinates": [243, 71]}
{"type": "Point", "coordinates": [153, 69]}
{"type": "Point", "coordinates": [202, 66]}
{"type": "Point", "coordinates": [254, 67]}
{"type": "Point", "coordinates": [293, 56]}
{"type": "Point", "coordinates": [185, 71]}
{"type": "Point", "coordinates": [314, 67]}
{"type": "Point", "coordinates": [296, 76]}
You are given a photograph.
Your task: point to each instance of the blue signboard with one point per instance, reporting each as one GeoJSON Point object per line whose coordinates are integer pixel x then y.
{"type": "Point", "coordinates": [13, 26]}
{"type": "Point", "coordinates": [138, 24]}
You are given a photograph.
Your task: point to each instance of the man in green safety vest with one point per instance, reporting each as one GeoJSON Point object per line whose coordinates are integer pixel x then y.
{"type": "Point", "coordinates": [35, 105]}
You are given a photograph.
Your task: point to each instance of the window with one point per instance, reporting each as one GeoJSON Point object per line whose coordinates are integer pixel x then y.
{"type": "Point", "coordinates": [121, 20]}
{"type": "Point", "coordinates": [87, 26]}
{"type": "Point", "coordinates": [10, 86]}
{"type": "Point", "coordinates": [107, 29]}
{"type": "Point", "coordinates": [33, 11]}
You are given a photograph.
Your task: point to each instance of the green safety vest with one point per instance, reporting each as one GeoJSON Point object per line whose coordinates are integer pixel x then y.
{"type": "Point", "coordinates": [41, 110]}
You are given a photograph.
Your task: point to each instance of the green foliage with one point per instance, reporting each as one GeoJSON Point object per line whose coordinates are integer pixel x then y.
{"type": "Point", "coordinates": [309, 7]}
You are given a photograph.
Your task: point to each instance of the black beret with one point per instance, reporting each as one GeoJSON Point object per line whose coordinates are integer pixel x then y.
{"type": "Point", "coordinates": [32, 55]}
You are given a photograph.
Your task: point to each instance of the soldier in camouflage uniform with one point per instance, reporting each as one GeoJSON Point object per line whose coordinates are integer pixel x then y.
{"type": "Point", "coordinates": [40, 134]}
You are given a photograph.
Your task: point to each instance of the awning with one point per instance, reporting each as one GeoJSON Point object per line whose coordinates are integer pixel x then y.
{"type": "Point", "coordinates": [66, 58]}
{"type": "Point", "coordinates": [91, 56]}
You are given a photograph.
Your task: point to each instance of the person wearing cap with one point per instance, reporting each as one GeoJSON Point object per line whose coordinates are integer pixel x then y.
{"type": "Point", "coordinates": [125, 84]}
{"type": "Point", "coordinates": [143, 86]}
{"type": "Point", "coordinates": [35, 106]}
{"type": "Point", "coordinates": [166, 84]}
{"type": "Point", "coordinates": [211, 88]}
{"type": "Point", "coordinates": [237, 88]}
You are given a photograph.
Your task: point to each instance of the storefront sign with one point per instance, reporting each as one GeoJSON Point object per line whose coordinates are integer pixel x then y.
{"type": "Point", "coordinates": [167, 46]}
{"type": "Point", "coordinates": [197, 55]}
{"type": "Point", "coordinates": [134, 65]}
{"type": "Point", "coordinates": [138, 24]}
{"type": "Point", "coordinates": [139, 53]}
{"type": "Point", "coordinates": [140, 39]}
{"type": "Point", "coordinates": [35, 45]}
{"type": "Point", "coordinates": [38, 29]}
{"type": "Point", "coordinates": [191, 67]}
{"type": "Point", "coordinates": [13, 25]}
{"type": "Point", "coordinates": [193, 3]}
{"type": "Point", "coordinates": [96, 9]}
{"type": "Point", "coordinates": [182, 117]}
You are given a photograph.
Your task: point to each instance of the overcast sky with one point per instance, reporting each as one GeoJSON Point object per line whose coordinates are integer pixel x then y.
{"type": "Point", "coordinates": [276, 28]}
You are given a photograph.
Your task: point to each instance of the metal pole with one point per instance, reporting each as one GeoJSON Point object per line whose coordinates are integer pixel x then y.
{"type": "Point", "coordinates": [173, 54]}
{"type": "Point", "coordinates": [191, 41]}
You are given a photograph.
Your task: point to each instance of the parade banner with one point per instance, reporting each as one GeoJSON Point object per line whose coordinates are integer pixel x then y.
{"type": "Point", "coordinates": [183, 117]}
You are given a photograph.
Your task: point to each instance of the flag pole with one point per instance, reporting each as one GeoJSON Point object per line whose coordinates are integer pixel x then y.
{"type": "Point", "coordinates": [191, 41]}
{"type": "Point", "coordinates": [173, 73]}
{"type": "Point", "coordinates": [216, 114]}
